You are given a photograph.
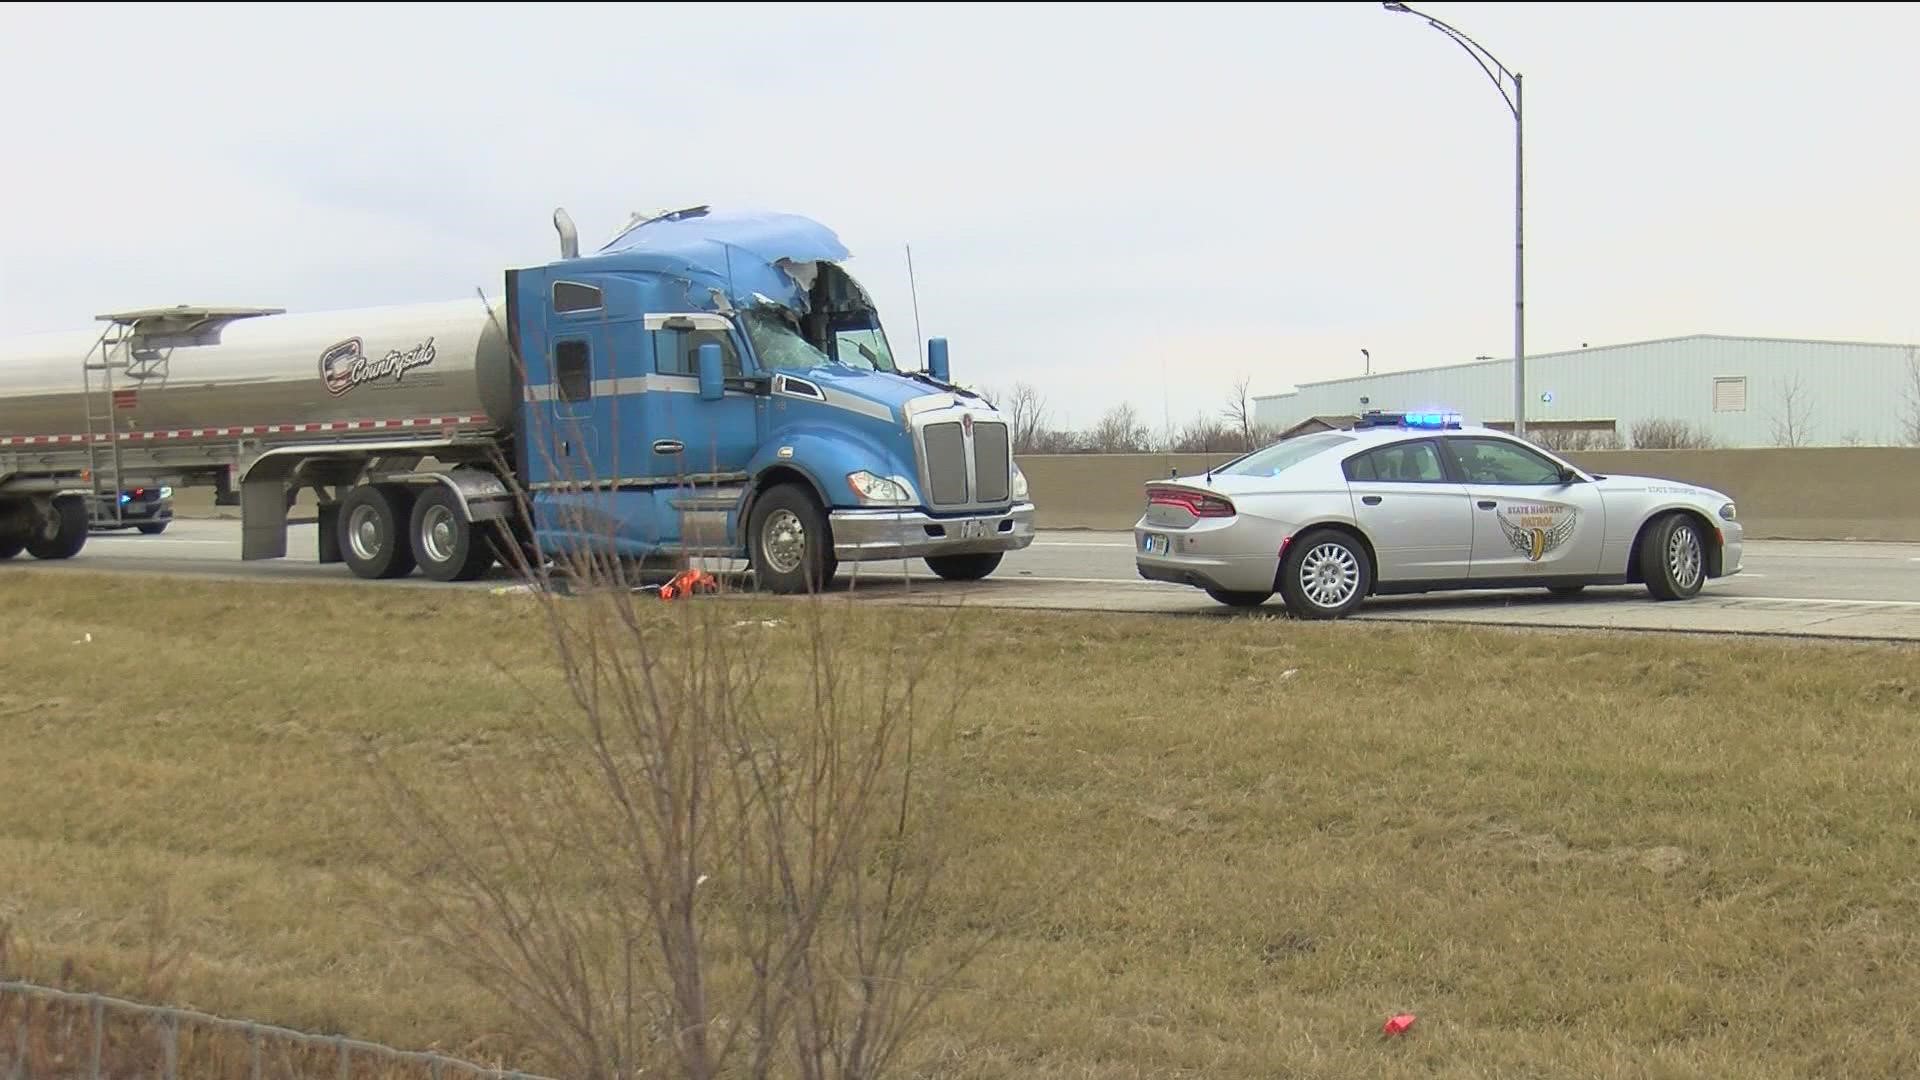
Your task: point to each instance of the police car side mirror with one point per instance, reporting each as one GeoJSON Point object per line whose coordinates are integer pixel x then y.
{"type": "Point", "coordinates": [1568, 476]}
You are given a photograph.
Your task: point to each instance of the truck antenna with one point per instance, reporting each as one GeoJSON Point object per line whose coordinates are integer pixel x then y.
{"type": "Point", "coordinates": [569, 236]}
{"type": "Point", "coordinates": [919, 342]}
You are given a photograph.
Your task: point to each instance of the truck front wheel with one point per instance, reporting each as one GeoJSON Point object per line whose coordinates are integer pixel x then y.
{"type": "Point", "coordinates": [60, 534]}
{"type": "Point", "coordinates": [789, 543]}
{"type": "Point", "coordinates": [965, 567]}
{"type": "Point", "coordinates": [373, 531]}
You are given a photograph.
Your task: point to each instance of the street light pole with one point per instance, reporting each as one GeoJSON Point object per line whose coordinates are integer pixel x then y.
{"type": "Point", "coordinates": [1495, 70]}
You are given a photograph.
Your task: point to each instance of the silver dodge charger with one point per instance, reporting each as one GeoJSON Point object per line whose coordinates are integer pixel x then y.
{"type": "Point", "coordinates": [1419, 502]}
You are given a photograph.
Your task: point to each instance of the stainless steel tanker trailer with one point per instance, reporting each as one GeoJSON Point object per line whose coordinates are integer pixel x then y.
{"type": "Point", "coordinates": [205, 396]}
{"type": "Point", "coordinates": [706, 384]}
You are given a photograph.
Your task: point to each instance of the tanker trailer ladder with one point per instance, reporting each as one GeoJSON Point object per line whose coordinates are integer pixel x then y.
{"type": "Point", "coordinates": [103, 427]}
{"type": "Point", "coordinates": [138, 343]}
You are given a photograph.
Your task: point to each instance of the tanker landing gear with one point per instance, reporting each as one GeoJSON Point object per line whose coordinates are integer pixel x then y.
{"type": "Point", "coordinates": [387, 530]}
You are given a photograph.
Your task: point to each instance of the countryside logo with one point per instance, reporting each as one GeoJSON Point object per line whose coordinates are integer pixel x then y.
{"type": "Point", "coordinates": [1536, 530]}
{"type": "Point", "coordinates": [346, 365]}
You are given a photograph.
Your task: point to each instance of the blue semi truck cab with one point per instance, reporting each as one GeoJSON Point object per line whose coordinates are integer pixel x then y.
{"type": "Point", "coordinates": [717, 384]}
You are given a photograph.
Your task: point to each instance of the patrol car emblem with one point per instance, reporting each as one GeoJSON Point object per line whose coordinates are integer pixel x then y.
{"type": "Point", "coordinates": [1534, 531]}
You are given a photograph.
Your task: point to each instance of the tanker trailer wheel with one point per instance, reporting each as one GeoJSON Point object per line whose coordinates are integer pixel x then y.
{"type": "Point", "coordinates": [373, 531]}
{"type": "Point", "coordinates": [11, 543]}
{"type": "Point", "coordinates": [788, 541]}
{"type": "Point", "coordinates": [62, 533]}
{"type": "Point", "coordinates": [447, 546]}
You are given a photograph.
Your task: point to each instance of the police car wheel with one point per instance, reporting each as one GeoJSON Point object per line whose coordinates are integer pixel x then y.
{"type": "Point", "coordinates": [1673, 558]}
{"type": "Point", "coordinates": [1326, 575]}
{"type": "Point", "coordinates": [152, 528]}
{"type": "Point", "coordinates": [1232, 598]}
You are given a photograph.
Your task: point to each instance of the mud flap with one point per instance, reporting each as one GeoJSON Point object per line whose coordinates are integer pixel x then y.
{"type": "Point", "coordinates": [329, 526]}
{"type": "Point", "coordinates": [263, 519]}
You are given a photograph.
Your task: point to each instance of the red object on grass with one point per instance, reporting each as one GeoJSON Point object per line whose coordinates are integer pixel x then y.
{"type": "Point", "coordinates": [688, 581]}
{"type": "Point", "coordinates": [1397, 1024]}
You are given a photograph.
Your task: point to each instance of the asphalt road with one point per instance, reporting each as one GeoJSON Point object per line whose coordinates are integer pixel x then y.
{"type": "Point", "coordinates": [1842, 590]}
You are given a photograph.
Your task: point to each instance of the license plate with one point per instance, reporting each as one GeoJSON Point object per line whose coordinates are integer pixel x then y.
{"type": "Point", "coordinates": [1156, 544]}
{"type": "Point", "coordinates": [973, 530]}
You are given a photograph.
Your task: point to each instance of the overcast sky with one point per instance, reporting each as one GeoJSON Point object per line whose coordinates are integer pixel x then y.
{"type": "Point", "coordinates": [1115, 202]}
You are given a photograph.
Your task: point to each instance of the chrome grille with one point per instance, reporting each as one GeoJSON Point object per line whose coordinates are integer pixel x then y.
{"type": "Point", "coordinates": [946, 464]}
{"type": "Point", "coordinates": [990, 468]}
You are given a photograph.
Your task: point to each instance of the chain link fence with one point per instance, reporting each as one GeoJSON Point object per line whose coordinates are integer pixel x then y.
{"type": "Point", "coordinates": [48, 1034]}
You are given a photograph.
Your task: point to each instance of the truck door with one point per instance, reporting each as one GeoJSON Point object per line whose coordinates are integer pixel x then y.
{"type": "Point", "coordinates": [710, 442]}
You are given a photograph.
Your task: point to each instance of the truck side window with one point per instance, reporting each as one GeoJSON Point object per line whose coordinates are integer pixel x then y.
{"type": "Point", "coordinates": [573, 370]}
{"type": "Point", "coordinates": [569, 296]}
{"type": "Point", "coordinates": [676, 352]}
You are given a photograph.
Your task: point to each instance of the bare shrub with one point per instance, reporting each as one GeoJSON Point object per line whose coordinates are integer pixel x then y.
{"type": "Point", "coordinates": [709, 856]}
{"type": "Point", "coordinates": [1572, 440]}
{"type": "Point", "coordinates": [1663, 434]}
{"type": "Point", "coordinates": [1910, 422]}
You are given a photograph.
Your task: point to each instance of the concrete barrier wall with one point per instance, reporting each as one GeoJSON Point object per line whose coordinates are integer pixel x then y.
{"type": "Point", "coordinates": [1837, 493]}
{"type": "Point", "coordinates": [1830, 493]}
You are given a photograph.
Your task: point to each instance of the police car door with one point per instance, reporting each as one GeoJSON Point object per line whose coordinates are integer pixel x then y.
{"type": "Point", "coordinates": [1528, 521]}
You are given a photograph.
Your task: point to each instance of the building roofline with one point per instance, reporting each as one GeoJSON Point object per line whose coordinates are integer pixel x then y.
{"type": "Point", "coordinates": [1507, 361]}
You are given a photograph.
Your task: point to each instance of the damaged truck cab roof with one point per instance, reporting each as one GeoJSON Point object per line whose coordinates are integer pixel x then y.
{"type": "Point", "coordinates": [728, 259]}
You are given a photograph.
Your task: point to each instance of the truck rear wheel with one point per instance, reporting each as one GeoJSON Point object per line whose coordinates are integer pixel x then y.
{"type": "Point", "coordinates": [61, 534]}
{"type": "Point", "coordinates": [12, 544]}
{"type": "Point", "coordinates": [965, 567]}
{"type": "Point", "coordinates": [789, 542]}
{"type": "Point", "coordinates": [373, 531]}
{"type": "Point", "coordinates": [446, 545]}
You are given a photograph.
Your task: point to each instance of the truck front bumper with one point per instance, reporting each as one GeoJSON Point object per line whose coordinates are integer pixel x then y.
{"type": "Point", "coordinates": [867, 535]}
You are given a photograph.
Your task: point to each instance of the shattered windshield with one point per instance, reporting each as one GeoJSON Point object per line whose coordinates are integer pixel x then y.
{"type": "Point", "coordinates": [778, 343]}
{"type": "Point", "coordinates": [864, 348]}
{"type": "Point", "coordinates": [781, 346]}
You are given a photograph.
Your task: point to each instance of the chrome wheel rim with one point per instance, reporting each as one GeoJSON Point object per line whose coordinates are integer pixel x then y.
{"type": "Point", "coordinates": [363, 533]}
{"type": "Point", "coordinates": [1683, 557]}
{"type": "Point", "coordinates": [438, 534]}
{"type": "Point", "coordinates": [1329, 575]}
{"type": "Point", "coordinates": [786, 541]}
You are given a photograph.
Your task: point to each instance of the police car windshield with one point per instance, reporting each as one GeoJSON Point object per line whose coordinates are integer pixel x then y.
{"type": "Point", "coordinates": [1283, 455]}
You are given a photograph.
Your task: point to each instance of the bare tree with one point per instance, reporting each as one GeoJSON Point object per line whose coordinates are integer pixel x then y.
{"type": "Point", "coordinates": [1240, 411]}
{"type": "Point", "coordinates": [1120, 431]}
{"type": "Point", "coordinates": [1204, 435]}
{"type": "Point", "coordinates": [1911, 421]}
{"type": "Point", "coordinates": [1790, 425]}
{"type": "Point", "coordinates": [1655, 433]}
{"type": "Point", "coordinates": [1028, 411]}
{"type": "Point", "coordinates": [1565, 440]}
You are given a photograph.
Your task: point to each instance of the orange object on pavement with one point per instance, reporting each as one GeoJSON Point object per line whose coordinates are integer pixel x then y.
{"type": "Point", "coordinates": [686, 582]}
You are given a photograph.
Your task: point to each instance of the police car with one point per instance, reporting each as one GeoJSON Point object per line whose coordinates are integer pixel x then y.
{"type": "Point", "coordinates": [148, 509]}
{"type": "Point", "coordinates": [1420, 502]}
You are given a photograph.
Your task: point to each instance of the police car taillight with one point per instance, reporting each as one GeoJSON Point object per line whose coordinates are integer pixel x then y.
{"type": "Point", "coordinates": [1193, 502]}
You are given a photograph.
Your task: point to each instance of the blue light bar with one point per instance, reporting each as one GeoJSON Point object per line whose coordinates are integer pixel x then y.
{"type": "Point", "coordinates": [1432, 420]}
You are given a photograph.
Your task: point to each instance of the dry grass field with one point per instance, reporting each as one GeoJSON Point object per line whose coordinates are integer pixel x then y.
{"type": "Point", "coordinates": [1205, 848]}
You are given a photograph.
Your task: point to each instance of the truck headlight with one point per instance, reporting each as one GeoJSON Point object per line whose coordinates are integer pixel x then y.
{"type": "Point", "coordinates": [880, 490]}
{"type": "Point", "coordinates": [1727, 512]}
{"type": "Point", "coordinates": [1019, 485]}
